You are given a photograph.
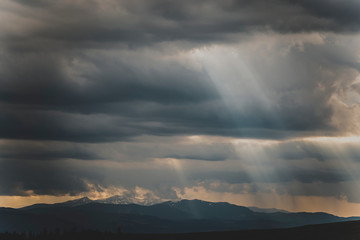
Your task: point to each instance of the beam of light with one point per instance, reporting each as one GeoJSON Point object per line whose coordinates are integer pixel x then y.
{"type": "Point", "coordinates": [337, 140]}
{"type": "Point", "coordinates": [241, 90]}
{"type": "Point", "coordinates": [336, 155]}
{"type": "Point", "coordinates": [235, 80]}
{"type": "Point", "coordinates": [176, 164]}
{"type": "Point", "coordinates": [261, 159]}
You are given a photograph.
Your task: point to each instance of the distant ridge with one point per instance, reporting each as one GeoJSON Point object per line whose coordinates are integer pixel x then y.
{"type": "Point", "coordinates": [166, 217]}
{"type": "Point", "coordinates": [117, 199]}
{"type": "Point", "coordinates": [70, 203]}
{"type": "Point", "coordinates": [85, 200]}
{"type": "Point", "coordinates": [267, 210]}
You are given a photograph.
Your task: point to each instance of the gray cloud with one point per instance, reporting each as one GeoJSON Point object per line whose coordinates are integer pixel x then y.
{"type": "Point", "coordinates": [19, 177]}
{"type": "Point", "coordinates": [113, 100]}
{"type": "Point", "coordinates": [62, 72]}
{"type": "Point", "coordinates": [92, 80]}
{"type": "Point", "coordinates": [215, 157]}
{"type": "Point", "coordinates": [278, 176]}
{"type": "Point", "coordinates": [44, 151]}
{"type": "Point", "coordinates": [146, 22]}
{"type": "Point", "coordinates": [258, 169]}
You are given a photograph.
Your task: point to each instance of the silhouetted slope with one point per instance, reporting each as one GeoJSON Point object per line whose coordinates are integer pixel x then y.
{"type": "Point", "coordinates": [208, 210]}
{"type": "Point", "coordinates": [331, 231]}
{"type": "Point", "coordinates": [267, 210]}
{"type": "Point", "coordinates": [167, 217]}
{"type": "Point", "coordinates": [16, 220]}
{"type": "Point", "coordinates": [71, 203]}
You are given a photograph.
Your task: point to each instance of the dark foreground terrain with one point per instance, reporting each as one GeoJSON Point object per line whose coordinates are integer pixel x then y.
{"type": "Point", "coordinates": [330, 231]}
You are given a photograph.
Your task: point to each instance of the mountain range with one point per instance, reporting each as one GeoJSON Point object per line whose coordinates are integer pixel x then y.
{"type": "Point", "coordinates": [165, 217]}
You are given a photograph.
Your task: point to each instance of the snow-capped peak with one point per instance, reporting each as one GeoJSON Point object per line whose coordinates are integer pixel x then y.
{"type": "Point", "coordinates": [128, 200]}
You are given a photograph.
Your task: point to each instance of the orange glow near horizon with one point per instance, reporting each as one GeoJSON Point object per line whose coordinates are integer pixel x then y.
{"type": "Point", "coordinates": [333, 205]}
{"type": "Point", "coordinates": [339, 207]}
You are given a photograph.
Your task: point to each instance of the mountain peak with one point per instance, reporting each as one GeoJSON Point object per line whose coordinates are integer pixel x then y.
{"type": "Point", "coordinates": [117, 199]}
{"type": "Point", "coordinates": [84, 199]}
{"type": "Point", "coordinates": [76, 202]}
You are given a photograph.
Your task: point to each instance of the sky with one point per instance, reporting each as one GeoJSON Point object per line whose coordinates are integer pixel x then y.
{"type": "Point", "coordinates": [253, 102]}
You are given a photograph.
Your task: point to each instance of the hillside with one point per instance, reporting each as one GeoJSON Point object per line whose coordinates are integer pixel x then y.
{"type": "Point", "coordinates": [166, 217]}
{"type": "Point", "coordinates": [330, 231]}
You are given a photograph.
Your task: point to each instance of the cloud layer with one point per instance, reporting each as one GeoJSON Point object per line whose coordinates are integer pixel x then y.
{"type": "Point", "coordinates": [232, 96]}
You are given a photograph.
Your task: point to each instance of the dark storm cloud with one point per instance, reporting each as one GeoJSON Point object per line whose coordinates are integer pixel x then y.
{"type": "Point", "coordinates": [59, 86]}
{"type": "Point", "coordinates": [53, 179]}
{"type": "Point", "coordinates": [44, 151]}
{"type": "Point", "coordinates": [48, 155]}
{"type": "Point", "coordinates": [20, 174]}
{"type": "Point", "coordinates": [274, 176]}
{"type": "Point", "coordinates": [56, 107]}
{"type": "Point", "coordinates": [343, 14]}
{"type": "Point", "coordinates": [146, 22]}
{"type": "Point", "coordinates": [66, 127]}
{"type": "Point", "coordinates": [24, 177]}
{"type": "Point", "coordinates": [41, 79]}
{"type": "Point", "coordinates": [302, 150]}
{"type": "Point", "coordinates": [105, 71]}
